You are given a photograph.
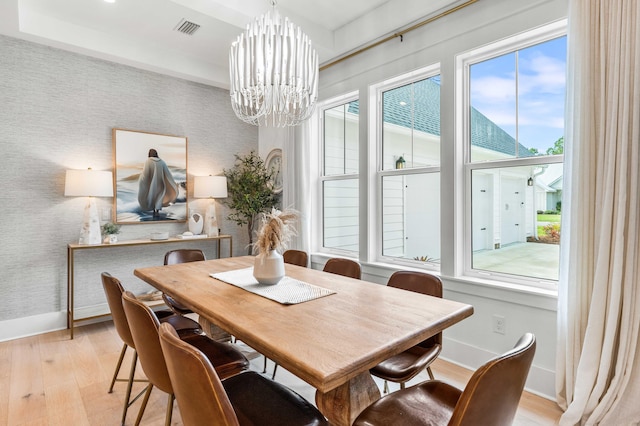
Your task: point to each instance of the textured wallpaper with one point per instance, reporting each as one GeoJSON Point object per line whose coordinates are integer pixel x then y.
{"type": "Point", "coordinates": [57, 110]}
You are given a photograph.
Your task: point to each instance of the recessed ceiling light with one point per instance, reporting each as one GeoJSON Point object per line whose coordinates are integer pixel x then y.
{"type": "Point", "coordinates": [110, 1]}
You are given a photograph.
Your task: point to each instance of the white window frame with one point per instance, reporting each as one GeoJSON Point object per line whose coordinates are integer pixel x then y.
{"type": "Point", "coordinates": [376, 124]}
{"type": "Point", "coordinates": [322, 178]}
{"type": "Point", "coordinates": [463, 249]}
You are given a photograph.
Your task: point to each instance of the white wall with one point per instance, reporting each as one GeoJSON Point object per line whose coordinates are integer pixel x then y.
{"type": "Point", "coordinates": [471, 342]}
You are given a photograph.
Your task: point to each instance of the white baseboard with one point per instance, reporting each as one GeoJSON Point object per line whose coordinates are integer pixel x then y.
{"type": "Point", "coordinates": [31, 326]}
{"type": "Point", "coordinates": [541, 381]}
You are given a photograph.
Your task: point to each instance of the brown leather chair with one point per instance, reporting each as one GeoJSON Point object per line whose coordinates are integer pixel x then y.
{"type": "Point", "coordinates": [344, 267]}
{"type": "Point", "coordinates": [296, 257]}
{"type": "Point", "coordinates": [144, 327]}
{"type": "Point", "coordinates": [113, 290]}
{"type": "Point", "coordinates": [405, 366]}
{"type": "Point", "coordinates": [180, 256]}
{"type": "Point", "coordinates": [247, 398]}
{"type": "Point", "coordinates": [490, 398]}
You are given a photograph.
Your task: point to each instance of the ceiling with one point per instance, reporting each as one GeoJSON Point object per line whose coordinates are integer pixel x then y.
{"type": "Point", "coordinates": [142, 33]}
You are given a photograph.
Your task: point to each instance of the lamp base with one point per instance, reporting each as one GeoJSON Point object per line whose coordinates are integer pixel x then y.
{"type": "Point", "coordinates": [90, 232]}
{"type": "Point", "coordinates": [210, 221]}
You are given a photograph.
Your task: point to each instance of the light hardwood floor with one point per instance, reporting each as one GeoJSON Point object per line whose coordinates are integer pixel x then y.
{"type": "Point", "coordinates": [51, 380]}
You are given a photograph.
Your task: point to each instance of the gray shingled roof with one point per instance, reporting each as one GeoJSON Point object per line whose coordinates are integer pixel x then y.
{"type": "Point", "coordinates": [484, 132]}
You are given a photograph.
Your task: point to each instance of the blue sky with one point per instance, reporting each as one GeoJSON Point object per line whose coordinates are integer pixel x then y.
{"type": "Point", "coordinates": [540, 92]}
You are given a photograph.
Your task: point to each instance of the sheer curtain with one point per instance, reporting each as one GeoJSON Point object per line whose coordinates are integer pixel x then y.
{"type": "Point", "coordinates": [297, 175]}
{"type": "Point", "coordinates": [598, 359]}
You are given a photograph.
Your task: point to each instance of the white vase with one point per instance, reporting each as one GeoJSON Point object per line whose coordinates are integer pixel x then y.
{"type": "Point", "coordinates": [268, 268]}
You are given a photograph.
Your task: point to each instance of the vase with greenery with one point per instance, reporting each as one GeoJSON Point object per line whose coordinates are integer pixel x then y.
{"type": "Point", "coordinates": [274, 235]}
{"type": "Point", "coordinates": [249, 191]}
{"type": "Point", "coordinates": [110, 232]}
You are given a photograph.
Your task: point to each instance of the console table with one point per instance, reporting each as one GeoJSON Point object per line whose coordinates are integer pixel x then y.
{"type": "Point", "coordinates": [72, 248]}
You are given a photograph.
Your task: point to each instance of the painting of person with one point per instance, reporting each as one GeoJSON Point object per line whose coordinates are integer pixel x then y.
{"type": "Point", "coordinates": [156, 187]}
{"type": "Point", "coordinates": [150, 177]}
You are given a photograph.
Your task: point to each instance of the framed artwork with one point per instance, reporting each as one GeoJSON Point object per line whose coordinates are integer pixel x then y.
{"type": "Point", "coordinates": [150, 176]}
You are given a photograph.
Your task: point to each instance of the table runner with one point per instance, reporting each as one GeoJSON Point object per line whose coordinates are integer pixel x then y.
{"type": "Point", "coordinates": [288, 291]}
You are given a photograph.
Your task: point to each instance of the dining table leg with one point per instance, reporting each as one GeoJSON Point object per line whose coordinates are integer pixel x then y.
{"type": "Point", "coordinates": [343, 404]}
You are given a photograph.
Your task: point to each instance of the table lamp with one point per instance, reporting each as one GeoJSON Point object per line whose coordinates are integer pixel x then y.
{"type": "Point", "coordinates": [89, 183]}
{"type": "Point", "coordinates": [211, 187]}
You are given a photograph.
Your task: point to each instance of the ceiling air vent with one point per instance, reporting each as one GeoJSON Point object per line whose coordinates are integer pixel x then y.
{"type": "Point", "coordinates": [186, 27]}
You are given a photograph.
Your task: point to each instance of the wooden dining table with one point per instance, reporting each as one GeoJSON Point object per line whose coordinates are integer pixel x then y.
{"type": "Point", "coordinates": [330, 342]}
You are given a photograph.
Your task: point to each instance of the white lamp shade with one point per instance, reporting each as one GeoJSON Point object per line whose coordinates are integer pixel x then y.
{"type": "Point", "coordinates": [210, 187]}
{"type": "Point", "coordinates": [88, 183]}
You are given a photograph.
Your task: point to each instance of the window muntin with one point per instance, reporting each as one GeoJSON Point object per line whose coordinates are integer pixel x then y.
{"type": "Point", "coordinates": [411, 216]}
{"type": "Point", "coordinates": [341, 139]}
{"type": "Point", "coordinates": [411, 125]}
{"type": "Point", "coordinates": [517, 102]}
{"type": "Point", "coordinates": [515, 223]}
{"type": "Point", "coordinates": [339, 180]}
{"type": "Point", "coordinates": [340, 214]}
{"type": "Point", "coordinates": [514, 142]}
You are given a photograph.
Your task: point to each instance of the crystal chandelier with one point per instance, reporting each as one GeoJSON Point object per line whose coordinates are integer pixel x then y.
{"type": "Point", "coordinates": [274, 72]}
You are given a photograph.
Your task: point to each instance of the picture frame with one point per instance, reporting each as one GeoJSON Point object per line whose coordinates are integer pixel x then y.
{"type": "Point", "coordinates": [141, 198]}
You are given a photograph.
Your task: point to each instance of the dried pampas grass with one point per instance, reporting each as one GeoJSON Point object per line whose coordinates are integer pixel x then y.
{"type": "Point", "coordinates": [276, 230]}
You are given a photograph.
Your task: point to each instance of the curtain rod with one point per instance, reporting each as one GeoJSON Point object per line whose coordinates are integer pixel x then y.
{"type": "Point", "coordinates": [398, 34]}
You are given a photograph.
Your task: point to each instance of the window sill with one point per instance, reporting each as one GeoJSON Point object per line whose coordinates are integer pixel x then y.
{"type": "Point", "coordinates": [519, 294]}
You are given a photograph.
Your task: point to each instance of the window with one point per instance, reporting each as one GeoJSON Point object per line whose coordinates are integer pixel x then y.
{"type": "Point", "coordinates": [515, 142]}
{"type": "Point", "coordinates": [409, 169]}
{"type": "Point", "coordinates": [339, 177]}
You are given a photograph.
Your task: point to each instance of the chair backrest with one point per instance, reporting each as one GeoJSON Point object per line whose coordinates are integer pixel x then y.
{"type": "Point", "coordinates": [296, 257]}
{"type": "Point", "coordinates": [344, 267]}
{"type": "Point", "coordinates": [144, 327]}
{"type": "Point", "coordinates": [419, 282]}
{"type": "Point", "coordinates": [113, 290]}
{"type": "Point", "coordinates": [492, 394]}
{"type": "Point", "coordinates": [183, 256]}
{"type": "Point", "coordinates": [198, 389]}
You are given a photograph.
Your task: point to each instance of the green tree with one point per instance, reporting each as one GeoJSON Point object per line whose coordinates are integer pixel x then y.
{"type": "Point", "coordinates": [557, 148]}
{"type": "Point", "coordinates": [250, 194]}
{"type": "Point", "coordinates": [534, 151]}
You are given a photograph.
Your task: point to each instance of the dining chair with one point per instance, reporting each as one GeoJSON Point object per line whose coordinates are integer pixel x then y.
{"type": "Point", "coordinates": [144, 326]}
{"type": "Point", "coordinates": [345, 267]}
{"type": "Point", "coordinates": [296, 257]}
{"type": "Point", "coordinates": [490, 398]}
{"type": "Point", "coordinates": [113, 290]}
{"type": "Point", "coordinates": [247, 398]}
{"type": "Point", "coordinates": [406, 365]}
{"type": "Point", "coordinates": [174, 257]}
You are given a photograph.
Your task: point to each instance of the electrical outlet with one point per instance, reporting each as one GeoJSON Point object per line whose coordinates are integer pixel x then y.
{"type": "Point", "coordinates": [498, 324]}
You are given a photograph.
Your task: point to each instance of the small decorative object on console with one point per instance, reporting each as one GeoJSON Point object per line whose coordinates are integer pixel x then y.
{"type": "Point", "coordinates": [196, 223]}
{"type": "Point", "coordinates": [110, 232]}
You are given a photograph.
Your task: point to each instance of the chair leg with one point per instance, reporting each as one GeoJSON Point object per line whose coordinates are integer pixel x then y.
{"type": "Point", "coordinates": [167, 421]}
{"type": "Point", "coordinates": [402, 385]}
{"type": "Point", "coordinates": [127, 399]}
{"type": "Point", "coordinates": [386, 387]}
{"type": "Point", "coordinates": [144, 403]}
{"type": "Point", "coordinates": [430, 373]}
{"type": "Point", "coordinates": [275, 368]}
{"type": "Point", "coordinates": [115, 374]}
{"type": "Point", "coordinates": [264, 369]}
